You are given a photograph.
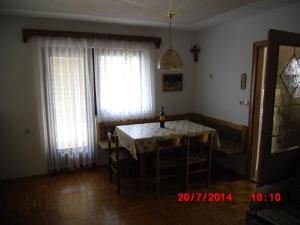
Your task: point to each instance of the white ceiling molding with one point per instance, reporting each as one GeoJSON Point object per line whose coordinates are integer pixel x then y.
{"type": "Point", "coordinates": [78, 17]}
{"type": "Point", "coordinates": [192, 14]}
{"type": "Point", "coordinates": [243, 12]}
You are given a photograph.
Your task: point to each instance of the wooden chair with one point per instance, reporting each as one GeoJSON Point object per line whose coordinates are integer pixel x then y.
{"type": "Point", "coordinates": [118, 157]}
{"type": "Point", "coordinates": [198, 153]}
{"type": "Point", "coordinates": [168, 160]}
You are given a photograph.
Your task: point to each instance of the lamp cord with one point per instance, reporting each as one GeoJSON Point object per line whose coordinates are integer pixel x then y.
{"type": "Point", "coordinates": [170, 14]}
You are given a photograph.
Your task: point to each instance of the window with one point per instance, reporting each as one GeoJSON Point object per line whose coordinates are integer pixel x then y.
{"type": "Point", "coordinates": [69, 102]}
{"type": "Point", "coordinates": [66, 102]}
{"type": "Point", "coordinates": [124, 85]}
{"type": "Point", "coordinates": [124, 82]}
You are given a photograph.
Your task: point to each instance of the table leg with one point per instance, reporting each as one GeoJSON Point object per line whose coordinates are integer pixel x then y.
{"type": "Point", "coordinates": [142, 165]}
{"type": "Point", "coordinates": [210, 158]}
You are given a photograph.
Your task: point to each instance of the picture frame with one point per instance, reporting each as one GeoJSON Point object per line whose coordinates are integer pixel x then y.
{"type": "Point", "coordinates": [172, 82]}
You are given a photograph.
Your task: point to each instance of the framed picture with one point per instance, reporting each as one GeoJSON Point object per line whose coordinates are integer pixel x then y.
{"type": "Point", "coordinates": [172, 82]}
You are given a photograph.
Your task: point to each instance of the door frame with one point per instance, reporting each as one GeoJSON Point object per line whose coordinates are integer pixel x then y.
{"type": "Point", "coordinates": [251, 151]}
{"type": "Point", "coordinates": [274, 167]}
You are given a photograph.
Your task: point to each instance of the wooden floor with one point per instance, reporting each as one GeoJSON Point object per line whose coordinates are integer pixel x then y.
{"type": "Point", "coordinates": [85, 197]}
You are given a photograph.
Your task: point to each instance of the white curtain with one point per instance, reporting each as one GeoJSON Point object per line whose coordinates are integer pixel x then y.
{"type": "Point", "coordinates": [124, 75]}
{"type": "Point", "coordinates": [66, 102]}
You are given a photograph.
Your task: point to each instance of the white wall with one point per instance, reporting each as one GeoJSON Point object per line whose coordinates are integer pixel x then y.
{"type": "Point", "coordinates": [21, 154]}
{"type": "Point", "coordinates": [226, 52]}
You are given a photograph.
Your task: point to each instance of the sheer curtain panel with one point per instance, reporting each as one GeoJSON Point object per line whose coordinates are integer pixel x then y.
{"type": "Point", "coordinates": [66, 102]}
{"type": "Point", "coordinates": [124, 75]}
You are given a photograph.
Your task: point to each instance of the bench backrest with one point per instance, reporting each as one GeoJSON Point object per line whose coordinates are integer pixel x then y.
{"type": "Point", "coordinates": [232, 131]}
{"type": "Point", "coordinates": [103, 126]}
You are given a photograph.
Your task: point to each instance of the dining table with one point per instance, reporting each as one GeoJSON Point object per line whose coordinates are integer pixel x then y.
{"type": "Point", "coordinates": [140, 139]}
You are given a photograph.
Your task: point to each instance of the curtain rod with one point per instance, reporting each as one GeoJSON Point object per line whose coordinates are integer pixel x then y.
{"type": "Point", "coordinates": [28, 33]}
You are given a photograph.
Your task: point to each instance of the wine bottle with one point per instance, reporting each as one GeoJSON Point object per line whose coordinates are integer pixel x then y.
{"type": "Point", "coordinates": [162, 118]}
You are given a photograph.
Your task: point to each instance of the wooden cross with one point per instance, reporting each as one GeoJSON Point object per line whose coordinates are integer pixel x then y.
{"type": "Point", "coordinates": [195, 51]}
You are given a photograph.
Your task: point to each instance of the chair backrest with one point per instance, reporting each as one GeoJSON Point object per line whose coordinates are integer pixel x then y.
{"type": "Point", "coordinates": [175, 142]}
{"type": "Point", "coordinates": [165, 145]}
{"type": "Point", "coordinates": [202, 138]}
{"type": "Point", "coordinates": [195, 142]}
{"type": "Point", "coordinates": [112, 138]}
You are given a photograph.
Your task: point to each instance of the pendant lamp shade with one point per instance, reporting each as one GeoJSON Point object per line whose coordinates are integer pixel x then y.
{"type": "Point", "coordinates": [170, 60]}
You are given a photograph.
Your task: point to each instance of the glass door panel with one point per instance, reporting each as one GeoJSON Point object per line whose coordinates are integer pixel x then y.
{"type": "Point", "coordinates": [286, 117]}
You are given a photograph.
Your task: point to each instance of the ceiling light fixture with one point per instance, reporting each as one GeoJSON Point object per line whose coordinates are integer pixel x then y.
{"type": "Point", "coordinates": [170, 60]}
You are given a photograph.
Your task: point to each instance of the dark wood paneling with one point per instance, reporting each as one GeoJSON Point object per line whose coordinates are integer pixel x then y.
{"type": "Point", "coordinates": [28, 33]}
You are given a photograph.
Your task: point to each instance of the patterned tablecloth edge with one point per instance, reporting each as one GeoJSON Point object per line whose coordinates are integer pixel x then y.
{"type": "Point", "coordinates": [129, 143]}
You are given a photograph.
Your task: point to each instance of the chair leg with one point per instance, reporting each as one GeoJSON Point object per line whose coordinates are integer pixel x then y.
{"type": "Point", "coordinates": [110, 174]}
{"type": "Point", "coordinates": [209, 159]}
{"type": "Point", "coordinates": [186, 187]}
{"type": "Point", "coordinates": [157, 174]}
{"type": "Point", "coordinates": [186, 175]}
{"type": "Point", "coordinates": [209, 173]}
{"type": "Point", "coordinates": [186, 179]}
{"type": "Point", "coordinates": [157, 189]}
{"type": "Point", "coordinates": [157, 182]}
{"type": "Point", "coordinates": [208, 178]}
{"type": "Point", "coordinates": [127, 170]}
{"type": "Point", "coordinates": [110, 169]}
{"type": "Point", "coordinates": [118, 179]}
{"type": "Point", "coordinates": [183, 174]}
{"type": "Point", "coordinates": [118, 185]}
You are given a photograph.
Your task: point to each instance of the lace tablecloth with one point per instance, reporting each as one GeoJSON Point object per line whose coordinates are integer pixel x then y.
{"type": "Point", "coordinates": [141, 138]}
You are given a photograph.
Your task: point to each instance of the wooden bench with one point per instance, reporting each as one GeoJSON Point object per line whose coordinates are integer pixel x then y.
{"type": "Point", "coordinates": [232, 136]}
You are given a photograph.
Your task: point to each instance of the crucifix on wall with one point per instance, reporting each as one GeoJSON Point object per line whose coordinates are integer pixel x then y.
{"type": "Point", "coordinates": [195, 51]}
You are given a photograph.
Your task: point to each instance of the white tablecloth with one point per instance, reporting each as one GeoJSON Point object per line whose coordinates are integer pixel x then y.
{"type": "Point", "coordinates": [141, 138]}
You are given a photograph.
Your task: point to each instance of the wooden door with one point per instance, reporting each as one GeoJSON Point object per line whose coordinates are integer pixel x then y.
{"type": "Point", "coordinates": [255, 110]}
{"type": "Point", "coordinates": [280, 136]}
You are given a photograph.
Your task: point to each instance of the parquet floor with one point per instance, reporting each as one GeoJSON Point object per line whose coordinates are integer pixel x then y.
{"type": "Point", "coordinates": [85, 197]}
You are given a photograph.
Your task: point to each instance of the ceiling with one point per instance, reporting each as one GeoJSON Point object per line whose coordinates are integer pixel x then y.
{"type": "Point", "coordinates": [189, 13]}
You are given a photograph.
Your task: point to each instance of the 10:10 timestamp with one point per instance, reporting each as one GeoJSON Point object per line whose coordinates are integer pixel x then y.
{"type": "Point", "coordinates": [261, 197]}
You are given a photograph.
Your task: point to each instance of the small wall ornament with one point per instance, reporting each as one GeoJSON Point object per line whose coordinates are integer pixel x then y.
{"type": "Point", "coordinates": [243, 81]}
{"type": "Point", "coordinates": [195, 50]}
